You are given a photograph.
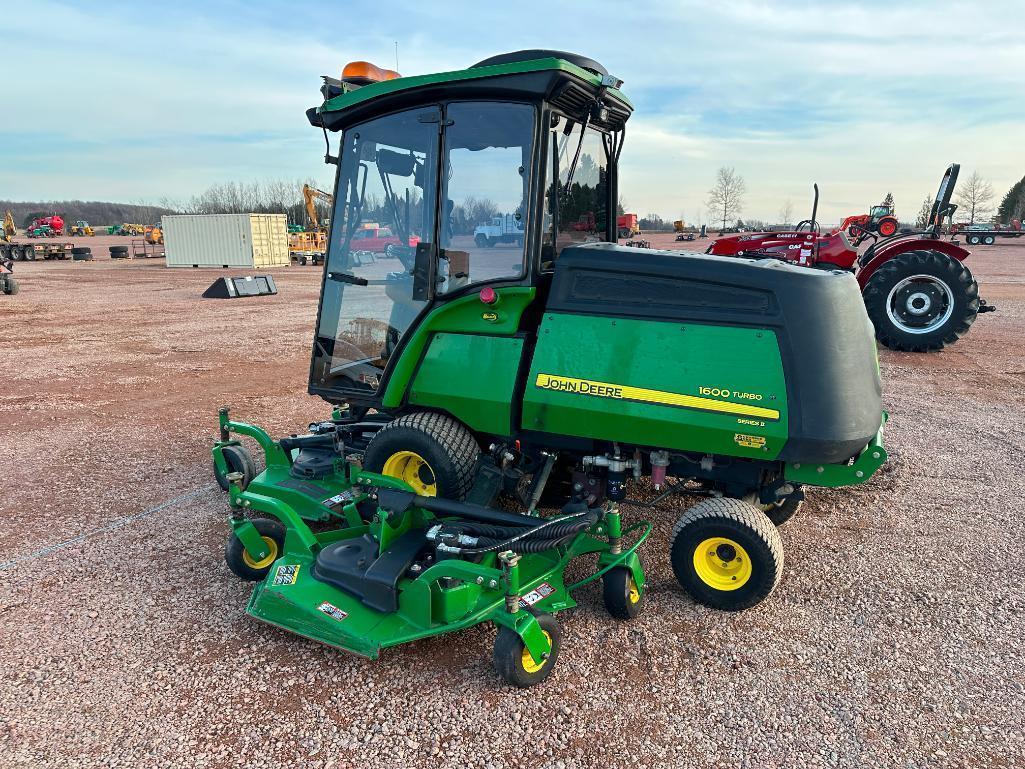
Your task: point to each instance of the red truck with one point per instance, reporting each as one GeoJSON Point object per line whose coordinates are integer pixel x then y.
{"type": "Point", "coordinates": [626, 225]}
{"type": "Point", "coordinates": [377, 239]}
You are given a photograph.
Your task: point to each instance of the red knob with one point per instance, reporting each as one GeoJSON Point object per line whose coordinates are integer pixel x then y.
{"type": "Point", "coordinates": [488, 295]}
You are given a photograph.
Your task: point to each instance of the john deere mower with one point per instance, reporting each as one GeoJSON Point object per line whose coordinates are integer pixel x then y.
{"type": "Point", "coordinates": [549, 372]}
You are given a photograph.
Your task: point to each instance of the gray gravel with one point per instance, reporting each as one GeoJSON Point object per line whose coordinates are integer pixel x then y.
{"type": "Point", "coordinates": [894, 640]}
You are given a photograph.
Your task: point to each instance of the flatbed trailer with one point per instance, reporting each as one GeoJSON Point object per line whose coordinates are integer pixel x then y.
{"type": "Point", "coordinates": [37, 250]}
{"type": "Point", "coordinates": [988, 236]}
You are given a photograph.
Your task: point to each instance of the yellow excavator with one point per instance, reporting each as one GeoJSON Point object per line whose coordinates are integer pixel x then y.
{"type": "Point", "coordinates": [310, 246]}
{"type": "Point", "coordinates": [9, 230]}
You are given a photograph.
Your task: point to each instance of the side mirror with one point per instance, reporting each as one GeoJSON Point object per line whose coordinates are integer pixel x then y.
{"type": "Point", "coordinates": [423, 267]}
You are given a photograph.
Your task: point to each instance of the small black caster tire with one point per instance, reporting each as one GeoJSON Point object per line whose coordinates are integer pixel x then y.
{"type": "Point", "coordinates": [239, 460]}
{"type": "Point", "coordinates": [514, 663]}
{"type": "Point", "coordinates": [242, 564]}
{"type": "Point", "coordinates": [622, 595]}
{"type": "Point", "coordinates": [782, 511]}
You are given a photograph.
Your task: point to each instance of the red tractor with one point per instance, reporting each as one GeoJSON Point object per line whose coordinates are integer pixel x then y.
{"type": "Point", "coordinates": [879, 220]}
{"type": "Point", "coordinates": [918, 292]}
{"type": "Point", "coordinates": [46, 227]}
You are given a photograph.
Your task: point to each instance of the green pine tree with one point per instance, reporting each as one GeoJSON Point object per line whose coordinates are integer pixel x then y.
{"type": "Point", "coordinates": [1013, 204]}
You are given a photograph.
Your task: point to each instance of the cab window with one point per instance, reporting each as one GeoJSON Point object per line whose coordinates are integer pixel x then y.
{"type": "Point", "coordinates": [487, 154]}
{"type": "Point", "coordinates": [576, 199]}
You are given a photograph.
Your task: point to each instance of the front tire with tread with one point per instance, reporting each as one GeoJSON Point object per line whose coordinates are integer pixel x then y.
{"type": "Point", "coordinates": [446, 445]}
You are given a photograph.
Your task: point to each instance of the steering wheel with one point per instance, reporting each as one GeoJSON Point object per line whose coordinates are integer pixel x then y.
{"type": "Point", "coordinates": [812, 225]}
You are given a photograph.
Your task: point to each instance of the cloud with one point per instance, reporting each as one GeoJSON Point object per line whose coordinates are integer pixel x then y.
{"type": "Point", "coordinates": [863, 97]}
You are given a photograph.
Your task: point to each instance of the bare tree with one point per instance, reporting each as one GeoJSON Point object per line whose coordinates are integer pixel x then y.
{"type": "Point", "coordinates": [974, 198]}
{"type": "Point", "coordinates": [786, 212]}
{"type": "Point", "coordinates": [923, 214]}
{"type": "Point", "coordinates": [726, 198]}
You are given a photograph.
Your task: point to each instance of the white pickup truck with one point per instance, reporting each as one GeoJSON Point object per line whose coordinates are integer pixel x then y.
{"type": "Point", "coordinates": [501, 229]}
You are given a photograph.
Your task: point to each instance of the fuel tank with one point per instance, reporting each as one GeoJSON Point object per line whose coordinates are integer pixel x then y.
{"type": "Point", "coordinates": [721, 355]}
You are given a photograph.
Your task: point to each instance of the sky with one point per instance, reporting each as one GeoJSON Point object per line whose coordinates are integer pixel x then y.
{"type": "Point", "coordinates": [137, 102]}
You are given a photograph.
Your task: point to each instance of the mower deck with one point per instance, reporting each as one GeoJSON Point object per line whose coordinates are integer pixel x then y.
{"type": "Point", "coordinates": [382, 571]}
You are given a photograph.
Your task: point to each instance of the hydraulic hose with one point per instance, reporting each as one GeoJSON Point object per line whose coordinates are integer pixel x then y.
{"type": "Point", "coordinates": [568, 525]}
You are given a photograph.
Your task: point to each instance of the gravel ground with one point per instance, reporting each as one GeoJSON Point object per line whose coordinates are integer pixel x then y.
{"type": "Point", "coordinates": [894, 640]}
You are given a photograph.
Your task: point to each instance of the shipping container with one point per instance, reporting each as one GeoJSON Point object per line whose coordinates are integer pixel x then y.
{"type": "Point", "coordinates": [226, 240]}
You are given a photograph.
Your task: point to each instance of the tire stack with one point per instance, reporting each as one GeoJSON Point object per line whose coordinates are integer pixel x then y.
{"type": "Point", "coordinates": [82, 254]}
{"type": "Point", "coordinates": [118, 252]}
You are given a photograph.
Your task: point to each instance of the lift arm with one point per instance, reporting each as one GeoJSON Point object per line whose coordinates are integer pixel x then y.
{"type": "Point", "coordinates": [309, 195]}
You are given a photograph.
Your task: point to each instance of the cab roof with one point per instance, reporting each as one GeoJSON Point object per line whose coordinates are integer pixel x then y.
{"type": "Point", "coordinates": [570, 81]}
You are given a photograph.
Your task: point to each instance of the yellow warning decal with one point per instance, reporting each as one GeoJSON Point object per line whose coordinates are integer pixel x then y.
{"type": "Point", "coordinates": [643, 395]}
{"type": "Point", "coordinates": [749, 441]}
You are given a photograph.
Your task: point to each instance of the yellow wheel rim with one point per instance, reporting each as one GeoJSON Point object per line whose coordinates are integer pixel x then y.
{"type": "Point", "coordinates": [410, 467]}
{"type": "Point", "coordinates": [722, 563]}
{"type": "Point", "coordinates": [528, 662]}
{"type": "Point", "coordinates": [263, 563]}
{"type": "Point", "coordinates": [632, 593]}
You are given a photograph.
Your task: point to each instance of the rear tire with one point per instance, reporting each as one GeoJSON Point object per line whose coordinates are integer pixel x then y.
{"type": "Point", "coordinates": [921, 301]}
{"type": "Point", "coordinates": [726, 554]}
{"type": "Point", "coordinates": [782, 511]}
{"type": "Point", "coordinates": [437, 450]}
{"type": "Point", "coordinates": [887, 227]}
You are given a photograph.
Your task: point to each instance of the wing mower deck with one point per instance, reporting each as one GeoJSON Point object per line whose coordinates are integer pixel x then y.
{"type": "Point", "coordinates": [388, 567]}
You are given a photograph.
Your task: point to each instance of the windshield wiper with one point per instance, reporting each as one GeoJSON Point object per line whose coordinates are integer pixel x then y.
{"type": "Point", "coordinates": [347, 277]}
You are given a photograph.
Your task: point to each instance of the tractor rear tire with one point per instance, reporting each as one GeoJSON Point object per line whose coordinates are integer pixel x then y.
{"type": "Point", "coordinates": [10, 286]}
{"type": "Point", "coordinates": [726, 553]}
{"type": "Point", "coordinates": [241, 563]}
{"type": "Point", "coordinates": [434, 453]}
{"type": "Point", "coordinates": [921, 301]}
{"type": "Point", "coordinates": [887, 227]}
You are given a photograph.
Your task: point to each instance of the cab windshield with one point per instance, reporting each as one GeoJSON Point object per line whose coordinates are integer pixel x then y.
{"type": "Point", "coordinates": [384, 208]}
{"type": "Point", "coordinates": [390, 254]}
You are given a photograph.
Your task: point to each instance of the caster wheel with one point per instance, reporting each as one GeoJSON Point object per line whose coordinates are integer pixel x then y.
{"type": "Point", "coordinates": [242, 564]}
{"type": "Point", "coordinates": [514, 663]}
{"type": "Point", "coordinates": [623, 597]}
{"type": "Point", "coordinates": [239, 460]}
